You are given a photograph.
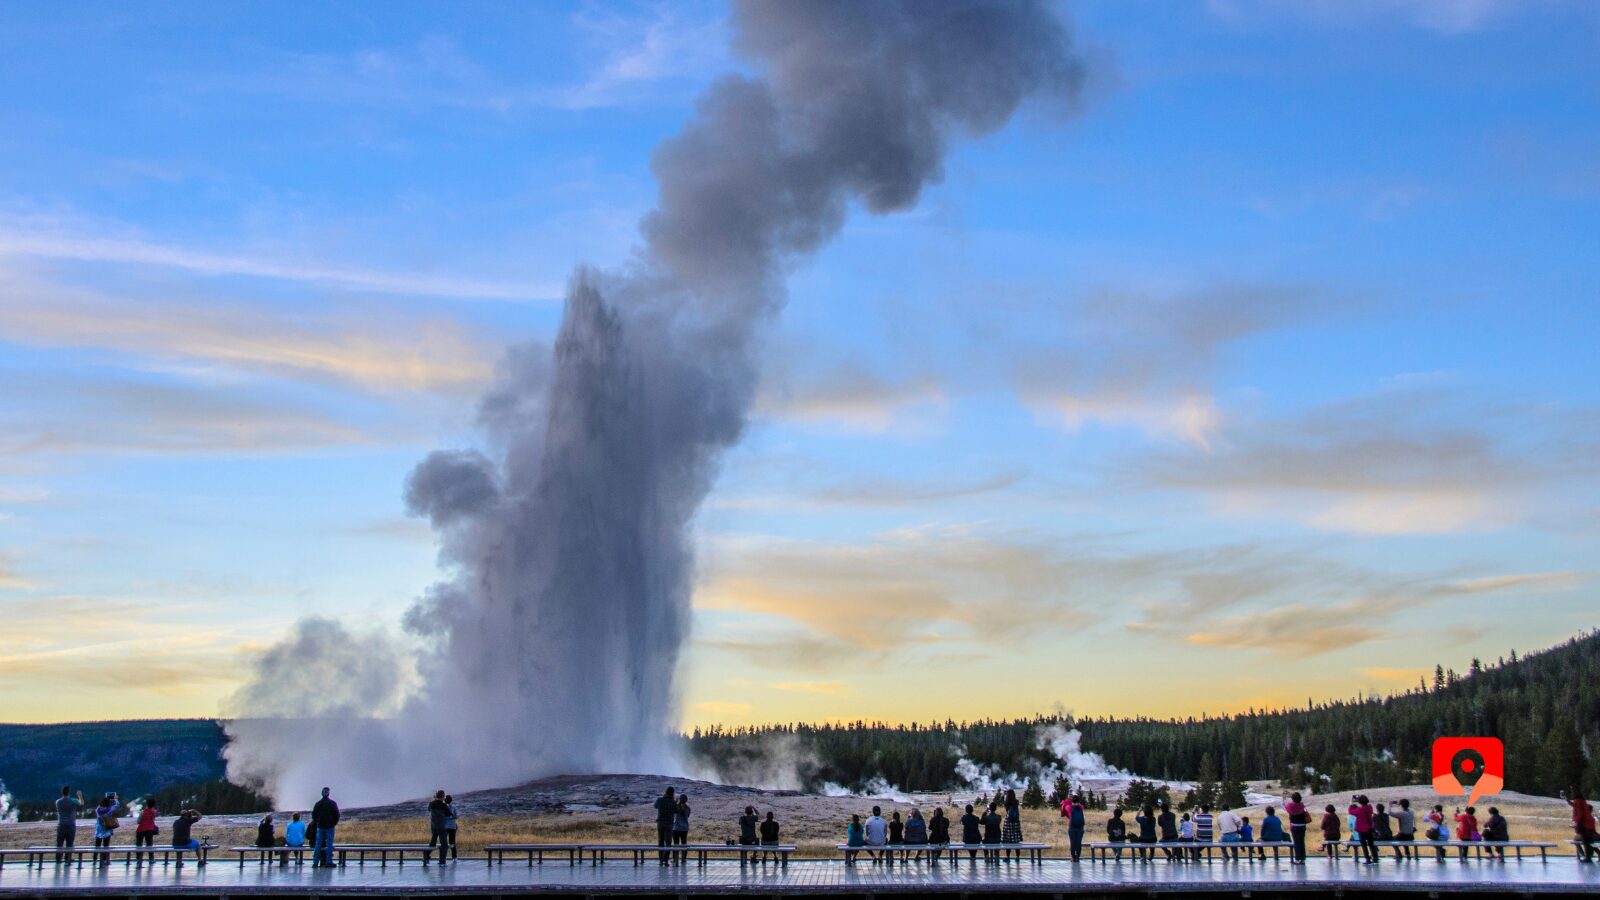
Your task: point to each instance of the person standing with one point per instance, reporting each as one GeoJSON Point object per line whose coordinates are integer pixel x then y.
{"type": "Point", "coordinates": [451, 824]}
{"type": "Point", "coordinates": [666, 811]}
{"type": "Point", "coordinates": [680, 828]}
{"type": "Point", "coordinates": [325, 816]}
{"type": "Point", "coordinates": [1467, 827]}
{"type": "Point", "coordinates": [105, 824]}
{"type": "Point", "coordinates": [1011, 831]}
{"type": "Point", "coordinates": [146, 829]}
{"type": "Point", "coordinates": [1583, 824]}
{"type": "Point", "coordinates": [1299, 821]}
{"type": "Point", "coordinates": [1076, 822]}
{"type": "Point", "coordinates": [438, 811]}
{"type": "Point", "coordinates": [1116, 831]}
{"type": "Point", "coordinates": [1366, 828]}
{"type": "Point", "coordinates": [67, 808]}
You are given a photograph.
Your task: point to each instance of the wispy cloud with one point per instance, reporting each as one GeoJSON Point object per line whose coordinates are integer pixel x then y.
{"type": "Point", "coordinates": [83, 414]}
{"type": "Point", "coordinates": [1295, 604]}
{"type": "Point", "coordinates": [393, 352]}
{"type": "Point", "coordinates": [1445, 16]}
{"type": "Point", "coordinates": [48, 240]}
{"type": "Point", "coordinates": [1147, 361]}
{"type": "Point", "coordinates": [851, 397]}
{"type": "Point", "coordinates": [626, 57]}
{"type": "Point", "coordinates": [1413, 458]}
{"type": "Point", "coordinates": [662, 45]}
{"type": "Point", "coordinates": [903, 588]}
{"type": "Point", "coordinates": [114, 645]}
{"type": "Point", "coordinates": [9, 579]}
{"type": "Point", "coordinates": [825, 688]}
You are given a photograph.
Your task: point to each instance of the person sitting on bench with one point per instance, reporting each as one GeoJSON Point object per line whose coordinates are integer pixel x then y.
{"type": "Point", "coordinates": [1496, 829]}
{"type": "Point", "coordinates": [294, 834]}
{"type": "Point", "coordinates": [181, 840]}
{"type": "Point", "coordinates": [938, 832]}
{"type": "Point", "coordinates": [769, 836]}
{"type": "Point", "coordinates": [1116, 830]}
{"type": "Point", "coordinates": [1272, 830]}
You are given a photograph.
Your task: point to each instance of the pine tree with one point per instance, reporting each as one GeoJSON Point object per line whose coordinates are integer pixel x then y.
{"type": "Point", "coordinates": [1033, 795]}
{"type": "Point", "coordinates": [1561, 761]}
{"type": "Point", "coordinates": [1231, 794]}
{"type": "Point", "coordinates": [1061, 790]}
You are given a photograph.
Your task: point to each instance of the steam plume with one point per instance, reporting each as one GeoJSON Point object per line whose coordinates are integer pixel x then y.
{"type": "Point", "coordinates": [551, 644]}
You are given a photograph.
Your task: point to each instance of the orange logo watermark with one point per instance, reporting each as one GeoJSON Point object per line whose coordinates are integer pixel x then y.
{"type": "Point", "coordinates": [1469, 765]}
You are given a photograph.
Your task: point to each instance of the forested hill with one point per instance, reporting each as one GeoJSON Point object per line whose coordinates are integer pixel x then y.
{"type": "Point", "coordinates": [133, 757]}
{"type": "Point", "coordinates": [1545, 707]}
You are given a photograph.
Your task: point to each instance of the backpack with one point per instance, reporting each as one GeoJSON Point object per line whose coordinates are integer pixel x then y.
{"type": "Point", "coordinates": [1077, 817]}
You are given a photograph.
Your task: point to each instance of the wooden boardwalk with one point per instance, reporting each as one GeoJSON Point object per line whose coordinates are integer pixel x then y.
{"type": "Point", "coordinates": [224, 878]}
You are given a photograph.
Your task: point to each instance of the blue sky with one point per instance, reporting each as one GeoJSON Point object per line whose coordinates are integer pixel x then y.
{"type": "Point", "coordinates": [1272, 365]}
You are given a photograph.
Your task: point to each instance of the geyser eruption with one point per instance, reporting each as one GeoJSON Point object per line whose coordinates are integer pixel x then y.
{"type": "Point", "coordinates": [550, 645]}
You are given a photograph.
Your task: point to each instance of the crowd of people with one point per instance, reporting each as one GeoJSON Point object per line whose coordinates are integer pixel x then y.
{"type": "Point", "coordinates": [108, 815]}
{"type": "Point", "coordinates": [998, 824]}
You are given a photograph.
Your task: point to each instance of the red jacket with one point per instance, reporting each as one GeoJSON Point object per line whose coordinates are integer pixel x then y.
{"type": "Point", "coordinates": [1582, 814]}
{"type": "Point", "coordinates": [1330, 826]}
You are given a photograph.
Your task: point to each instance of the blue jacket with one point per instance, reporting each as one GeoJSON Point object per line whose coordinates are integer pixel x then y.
{"type": "Point", "coordinates": [1272, 829]}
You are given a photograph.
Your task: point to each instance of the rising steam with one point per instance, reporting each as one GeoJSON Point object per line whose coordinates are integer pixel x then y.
{"type": "Point", "coordinates": [551, 643]}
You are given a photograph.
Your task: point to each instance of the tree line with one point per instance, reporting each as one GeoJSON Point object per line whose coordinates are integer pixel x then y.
{"type": "Point", "coordinates": [1545, 707]}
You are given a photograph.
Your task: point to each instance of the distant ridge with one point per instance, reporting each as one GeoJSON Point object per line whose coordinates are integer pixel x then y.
{"type": "Point", "coordinates": [133, 757]}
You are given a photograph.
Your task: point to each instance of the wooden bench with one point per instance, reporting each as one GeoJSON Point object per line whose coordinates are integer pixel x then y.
{"type": "Point", "coordinates": [265, 854]}
{"type": "Point", "coordinates": [642, 852]}
{"type": "Point", "coordinates": [991, 852]}
{"type": "Point", "coordinates": [1483, 848]}
{"type": "Point", "coordinates": [168, 855]}
{"type": "Point", "coordinates": [361, 851]}
{"type": "Point", "coordinates": [497, 852]}
{"type": "Point", "coordinates": [1101, 851]}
